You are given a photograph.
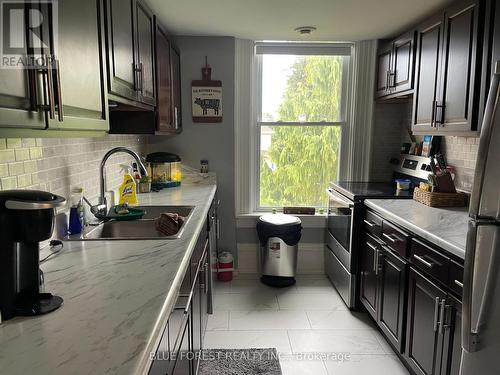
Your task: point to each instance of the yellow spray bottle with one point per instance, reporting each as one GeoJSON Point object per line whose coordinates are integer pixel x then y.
{"type": "Point", "coordinates": [127, 190]}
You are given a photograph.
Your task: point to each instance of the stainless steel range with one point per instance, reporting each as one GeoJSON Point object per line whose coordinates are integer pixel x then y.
{"type": "Point", "coordinates": [345, 220]}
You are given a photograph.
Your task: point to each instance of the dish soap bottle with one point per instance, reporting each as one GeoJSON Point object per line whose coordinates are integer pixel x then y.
{"type": "Point", "coordinates": [127, 191]}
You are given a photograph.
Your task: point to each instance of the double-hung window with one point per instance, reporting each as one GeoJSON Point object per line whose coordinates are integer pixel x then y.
{"type": "Point", "coordinates": [301, 116]}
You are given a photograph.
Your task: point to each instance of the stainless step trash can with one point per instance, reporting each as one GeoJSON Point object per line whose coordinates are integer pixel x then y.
{"type": "Point", "coordinates": [279, 235]}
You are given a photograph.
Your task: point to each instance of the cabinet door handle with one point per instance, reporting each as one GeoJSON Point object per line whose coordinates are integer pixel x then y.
{"type": "Point", "coordinates": [442, 310]}
{"type": "Point", "coordinates": [423, 261]}
{"type": "Point", "coordinates": [387, 86]}
{"type": "Point", "coordinates": [141, 77]}
{"type": "Point", "coordinates": [33, 89]}
{"type": "Point", "coordinates": [369, 223]}
{"type": "Point", "coordinates": [50, 86]}
{"type": "Point", "coordinates": [458, 283]}
{"type": "Point", "coordinates": [436, 313]}
{"type": "Point", "coordinates": [375, 260]}
{"type": "Point", "coordinates": [188, 303]}
{"type": "Point", "coordinates": [392, 79]}
{"type": "Point", "coordinates": [439, 113]}
{"type": "Point", "coordinates": [60, 113]}
{"type": "Point", "coordinates": [433, 114]}
{"type": "Point", "coordinates": [377, 263]}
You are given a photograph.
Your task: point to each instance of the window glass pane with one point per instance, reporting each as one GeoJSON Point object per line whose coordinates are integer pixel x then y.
{"type": "Point", "coordinates": [297, 163]}
{"type": "Point", "coordinates": [301, 88]}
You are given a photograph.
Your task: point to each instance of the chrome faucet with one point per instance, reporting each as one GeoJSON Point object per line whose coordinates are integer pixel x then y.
{"type": "Point", "coordinates": [102, 206]}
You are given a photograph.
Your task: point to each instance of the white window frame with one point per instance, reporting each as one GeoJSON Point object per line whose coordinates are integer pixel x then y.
{"type": "Point", "coordinates": [343, 123]}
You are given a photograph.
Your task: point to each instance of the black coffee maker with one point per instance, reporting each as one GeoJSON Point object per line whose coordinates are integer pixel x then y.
{"type": "Point", "coordinates": [26, 218]}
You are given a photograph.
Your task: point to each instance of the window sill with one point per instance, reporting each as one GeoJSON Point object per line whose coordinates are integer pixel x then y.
{"type": "Point", "coordinates": [308, 221]}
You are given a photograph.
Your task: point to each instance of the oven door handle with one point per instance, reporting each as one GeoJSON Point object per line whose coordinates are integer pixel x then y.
{"type": "Point", "coordinates": [339, 198]}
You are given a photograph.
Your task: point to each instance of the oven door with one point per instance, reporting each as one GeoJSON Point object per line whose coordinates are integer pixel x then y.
{"type": "Point", "coordinates": [339, 233]}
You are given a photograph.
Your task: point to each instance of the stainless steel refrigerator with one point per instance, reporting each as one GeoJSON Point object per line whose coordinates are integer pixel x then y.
{"type": "Point", "coordinates": [481, 294]}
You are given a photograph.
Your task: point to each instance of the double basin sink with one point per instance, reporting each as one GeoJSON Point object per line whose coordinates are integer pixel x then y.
{"type": "Point", "coordinates": [141, 229]}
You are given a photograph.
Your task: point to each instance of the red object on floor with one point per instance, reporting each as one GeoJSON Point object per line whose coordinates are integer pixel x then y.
{"type": "Point", "coordinates": [225, 269]}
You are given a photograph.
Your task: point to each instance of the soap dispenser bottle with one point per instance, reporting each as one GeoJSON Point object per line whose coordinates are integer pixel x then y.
{"type": "Point", "coordinates": [127, 191]}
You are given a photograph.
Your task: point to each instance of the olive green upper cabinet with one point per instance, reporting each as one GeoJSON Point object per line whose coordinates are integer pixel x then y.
{"type": "Point", "coordinates": [64, 91]}
{"type": "Point", "coordinates": [446, 100]}
{"type": "Point", "coordinates": [395, 66]}
{"type": "Point", "coordinates": [21, 87]}
{"type": "Point", "coordinates": [129, 43]}
{"type": "Point", "coordinates": [78, 70]}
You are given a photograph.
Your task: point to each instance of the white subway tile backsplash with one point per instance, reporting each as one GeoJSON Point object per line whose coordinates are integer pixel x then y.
{"type": "Point", "coordinates": [22, 154]}
{"type": "Point", "coordinates": [60, 164]}
{"type": "Point", "coordinates": [7, 156]}
{"type": "Point", "coordinates": [14, 143]}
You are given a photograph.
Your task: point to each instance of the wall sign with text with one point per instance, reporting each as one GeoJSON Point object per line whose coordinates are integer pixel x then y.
{"type": "Point", "coordinates": [206, 97]}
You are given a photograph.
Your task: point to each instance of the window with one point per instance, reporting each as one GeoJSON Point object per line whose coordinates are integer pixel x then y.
{"type": "Point", "coordinates": [300, 119]}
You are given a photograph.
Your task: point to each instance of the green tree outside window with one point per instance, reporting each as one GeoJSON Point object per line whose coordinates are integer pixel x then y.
{"type": "Point", "coordinates": [302, 159]}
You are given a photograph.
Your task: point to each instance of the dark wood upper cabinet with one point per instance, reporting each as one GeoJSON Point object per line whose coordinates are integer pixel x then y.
{"type": "Point", "coordinates": [459, 64]}
{"type": "Point", "coordinates": [448, 68]}
{"type": "Point", "coordinates": [130, 52]}
{"type": "Point", "coordinates": [429, 38]}
{"type": "Point", "coordinates": [401, 76]}
{"type": "Point", "coordinates": [168, 80]}
{"type": "Point", "coordinates": [384, 55]}
{"type": "Point", "coordinates": [393, 272]}
{"type": "Point", "coordinates": [122, 65]}
{"type": "Point", "coordinates": [395, 64]}
{"type": "Point", "coordinates": [145, 54]}
{"type": "Point", "coordinates": [164, 117]}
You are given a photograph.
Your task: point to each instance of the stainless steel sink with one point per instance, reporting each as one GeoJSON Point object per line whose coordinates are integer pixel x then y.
{"type": "Point", "coordinates": [142, 229]}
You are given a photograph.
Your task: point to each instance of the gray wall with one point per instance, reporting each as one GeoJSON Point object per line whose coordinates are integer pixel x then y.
{"type": "Point", "coordinates": [214, 142]}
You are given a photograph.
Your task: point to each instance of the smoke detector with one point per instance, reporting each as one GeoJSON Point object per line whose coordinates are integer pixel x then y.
{"type": "Point", "coordinates": [305, 30]}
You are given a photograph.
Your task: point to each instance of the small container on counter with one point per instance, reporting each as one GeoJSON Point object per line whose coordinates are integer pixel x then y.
{"type": "Point", "coordinates": [76, 212]}
{"type": "Point", "coordinates": [204, 166]}
{"type": "Point", "coordinates": [403, 184]}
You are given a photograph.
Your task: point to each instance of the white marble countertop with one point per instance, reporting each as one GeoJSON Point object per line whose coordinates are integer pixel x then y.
{"type": "Point", "coordinates": [117, 298]}
{"type": "Point", "coordinates": [444, 227]}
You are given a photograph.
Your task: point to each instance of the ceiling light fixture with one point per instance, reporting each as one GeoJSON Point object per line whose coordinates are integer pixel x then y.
{"type": "Point", "coordinates": [305, 30]}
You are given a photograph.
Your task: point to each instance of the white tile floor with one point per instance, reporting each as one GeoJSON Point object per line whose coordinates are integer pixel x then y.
{"type": "Point", "coordinates": [308, 324]}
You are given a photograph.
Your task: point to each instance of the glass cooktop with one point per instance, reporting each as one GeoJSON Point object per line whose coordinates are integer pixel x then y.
{"type": "Point", "coordinates": [366, 190]}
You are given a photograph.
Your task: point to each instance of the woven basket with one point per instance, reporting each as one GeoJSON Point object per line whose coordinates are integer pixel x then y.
{"type": "Point", "coordinates": [439, 199]}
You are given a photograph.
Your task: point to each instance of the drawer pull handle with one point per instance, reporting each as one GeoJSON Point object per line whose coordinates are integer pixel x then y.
{"type": "Point", "coordinates": [461, 285]}
{"type": "Point", "coordinates": [423, 261]}
{"type": "Point", "coordinates": [371, 224]}
{"type": "Point", "coordinates": [393, 238]}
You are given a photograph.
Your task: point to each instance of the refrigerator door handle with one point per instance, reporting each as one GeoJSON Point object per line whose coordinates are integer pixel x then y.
{"type": "Point", "coordinates": [484, 142]}
{"type": "Point", "coordinates": [469, 338]}
{"type": "Point", "coordinates": [471, 334]}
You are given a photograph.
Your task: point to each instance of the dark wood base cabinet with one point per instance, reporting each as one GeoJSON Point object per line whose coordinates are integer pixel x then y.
{"type": "Point", "coordinates": [182, 341]}
{"type": "Point", "coordinates": [413, 298]}
{"type": "Point", "coordinates": [423, 330]}
{"type": "Point", "coordinates": [383, 289]}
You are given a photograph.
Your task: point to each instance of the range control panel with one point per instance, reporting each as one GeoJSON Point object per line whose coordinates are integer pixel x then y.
{"type": "Point", "coordinates": [416, 166]}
